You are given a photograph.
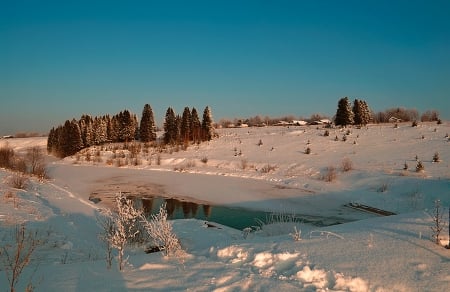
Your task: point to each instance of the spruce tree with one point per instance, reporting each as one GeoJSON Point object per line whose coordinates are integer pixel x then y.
{"type": "Point", "coordinates": [207, 125]}
{"type": "Point", "coordinates": [185, 127]}
{"type": "Point", "coordinates": [357, 112]}
{"type": "Point", "coordinates": [170, 127]}
{"type": "Point", "coordinates": [99, 131]}
{"type": "Point", "coordinates": [344, 114]}
{"type": "Point", "coordinates": [127, 126]}
{"type": "Point", "coordinates": [147, 128]}
{"type": "Point", "coordinates": [366, 115]}
{"type": "Point", "coordinates": [196, 126]}
{"type": "Point", "coordinates": [178, 138]}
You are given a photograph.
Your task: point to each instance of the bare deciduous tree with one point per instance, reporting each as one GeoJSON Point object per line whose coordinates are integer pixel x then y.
{"type": "Point", "coordinates": [438, 223]}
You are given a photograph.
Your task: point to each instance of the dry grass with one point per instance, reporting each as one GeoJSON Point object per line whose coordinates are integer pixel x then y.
{"type": "Point", "coordinates": [347, 165]}
{"type": "Point", "coordinates": [330, 174]}
{"type": "Point", "coordinates": [268, 168]}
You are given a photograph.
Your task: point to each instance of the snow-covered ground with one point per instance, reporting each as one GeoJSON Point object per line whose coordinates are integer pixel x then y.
{"type": "Point", "coordinates": [255, 168]}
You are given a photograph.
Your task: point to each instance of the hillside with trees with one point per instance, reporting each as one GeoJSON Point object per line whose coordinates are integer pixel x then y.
{"type": "Point", "coordinates": [74, 135]}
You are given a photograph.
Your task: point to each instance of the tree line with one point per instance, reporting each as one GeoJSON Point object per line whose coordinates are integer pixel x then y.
{"type": "Point", "coordinates": [360, 114]}
{"type": "Point", "coordinates": [74, 135]}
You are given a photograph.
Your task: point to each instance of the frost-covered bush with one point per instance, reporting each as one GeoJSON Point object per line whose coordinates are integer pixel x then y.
{"type": "Point", "coordinates": [120, 227]}
{"type": "Point", "coordinates": [277, 224]}
{"type": "Point", "coordinates": [160, 231]}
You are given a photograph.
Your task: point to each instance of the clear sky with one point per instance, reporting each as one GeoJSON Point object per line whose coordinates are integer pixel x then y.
{"type": "Point", "coordinates": [60, 59]}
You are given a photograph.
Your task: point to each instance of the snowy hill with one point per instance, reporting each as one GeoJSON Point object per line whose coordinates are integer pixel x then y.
{"type": "Point", "coordinates": [265, 169]}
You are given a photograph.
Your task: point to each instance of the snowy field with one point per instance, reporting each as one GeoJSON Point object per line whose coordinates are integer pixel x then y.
{"type": "Point", "coordinates": [265, 169]}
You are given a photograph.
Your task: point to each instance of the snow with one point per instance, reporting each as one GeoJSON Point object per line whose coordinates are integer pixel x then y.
{"type": "Point", "coordinates": [372, 253]}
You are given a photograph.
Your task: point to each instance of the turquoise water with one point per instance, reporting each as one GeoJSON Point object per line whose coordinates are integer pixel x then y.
{"type": "Point", "coordinates": [238, 218]}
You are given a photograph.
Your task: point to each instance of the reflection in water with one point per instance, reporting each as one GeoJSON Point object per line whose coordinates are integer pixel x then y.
{"type": "Point", "coordinates": [174, 208]}
{"type": "Point", "coordinates": [237, 218]}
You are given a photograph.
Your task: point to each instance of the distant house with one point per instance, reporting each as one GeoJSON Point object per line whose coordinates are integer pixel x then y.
{"type": "Point", "coordinates": [8, 137]}
{"type": "Point", "coordinates": [394, 120]}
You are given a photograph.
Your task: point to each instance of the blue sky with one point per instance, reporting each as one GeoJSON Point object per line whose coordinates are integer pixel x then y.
{"type": "Point", "coordinates": [60, 59]}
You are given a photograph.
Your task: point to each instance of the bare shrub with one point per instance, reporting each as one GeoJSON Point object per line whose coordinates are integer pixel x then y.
{"type": "Point", "coordinates": [17, 254]}
{"type": "Point", "coordinates": [19, 165]}
{"type": "Point", "coordinates": [35, 158]}
{"type": "Point", "coordinates": [308, 150]}
{"type": "Point", "coordinates": [383, 188]}
{"type": "Point", "coordinates": [268, 168]}
{"type": "Point", "coordinates": [204, 159]}
{"type": "Point", "coordinates": [347, 165]}
{"type": "Point", "coordinates": [158, 159]}
{"type": "Point", "coordinates": [107, 225]}
{"type": "Point", "coordinates": [18, 181]}
{"type": "Point", "coordinates": [6, 157]}
{"type": "Point", "coordinates": [438, 223]}
{"type": "Point", "coordinates": [190, 163]}
{"type": "Point", "coordinates": [330, 174]}
{"type": "Point", "coordinates": [244, 163]}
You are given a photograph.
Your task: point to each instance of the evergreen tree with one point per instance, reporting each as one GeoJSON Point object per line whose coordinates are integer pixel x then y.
{"type": "Point", "coordinates": [127, 126]}
{"type": "Point", "coordinates": [196, 126]}
{"type": "Point", "coordinates": [178, 129]}
{"type": "Point", "coordinates": [366, 114]}
{"type": "Point", "coordinates": [344, 114]}
{"type": "Point", "coordinates": [170, 127]}
{"type": "Point", "coordinates": [147, 127]}
{"type": "Point", "coordinates": [99, 131]}
{"type": "Point", "coordinates": [357, 112]}
{"type": "Point", "coordinates": [70, 139]}
{"type": "Point", "coordinates": [85, 124]}
{"type": "Point", "coordinates": [185, 127]}
{"type": "Point", "coordinates": [113, 131]}
{"type": "Point", "coordinates": [207, 125]}
{"type": "Point", "coordinates": [51, 141]}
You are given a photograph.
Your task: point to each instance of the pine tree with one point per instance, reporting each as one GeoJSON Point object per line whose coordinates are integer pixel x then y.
{"type": "Point", "coordinates": [344, 114]}
{"type": "Point", "coordinates": [207, 125]}
{"type": "Point", "coordinates": [170, 127]}
{"type": "Point", "coordinates": [185, 127]}
{"type": "Point", "coordinates": [147, 127]}
{"type": "Point", "coordinates": [196, 126]}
